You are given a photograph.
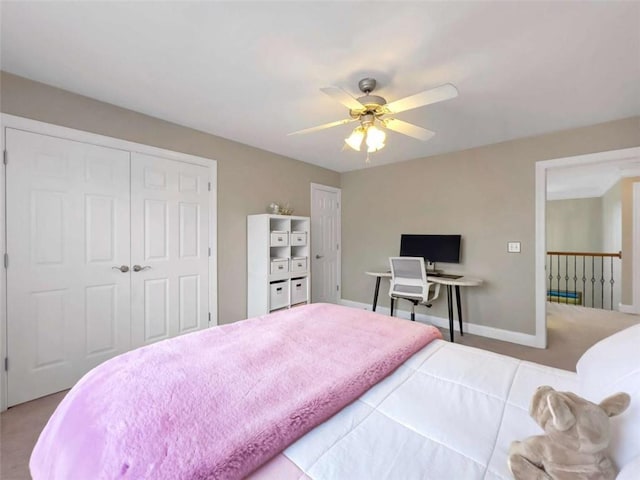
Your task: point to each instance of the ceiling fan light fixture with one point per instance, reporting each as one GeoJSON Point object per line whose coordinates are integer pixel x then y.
{"type": "Point", "coordinates": [375, 139]}
{"type": "Point", "coordinates": [355, 139]}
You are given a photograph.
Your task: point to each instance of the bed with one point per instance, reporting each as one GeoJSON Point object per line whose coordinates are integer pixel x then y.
{"type": "Point", "coordinates": [417, 406]}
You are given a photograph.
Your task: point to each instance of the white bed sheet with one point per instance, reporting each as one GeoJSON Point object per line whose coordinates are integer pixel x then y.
{"type": "Point", "coordinates": [449, 412]}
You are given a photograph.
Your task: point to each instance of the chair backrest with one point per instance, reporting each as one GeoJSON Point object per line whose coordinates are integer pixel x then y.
{"type": "Point", "coordinates": [408, 276]}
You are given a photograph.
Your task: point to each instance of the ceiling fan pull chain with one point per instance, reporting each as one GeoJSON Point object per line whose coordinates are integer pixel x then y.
{"type": "Point", "coordinates": [367, 160]}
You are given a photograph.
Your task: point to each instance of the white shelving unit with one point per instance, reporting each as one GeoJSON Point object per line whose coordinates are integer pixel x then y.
{"type": "Point", "coordinates": [278, 263]}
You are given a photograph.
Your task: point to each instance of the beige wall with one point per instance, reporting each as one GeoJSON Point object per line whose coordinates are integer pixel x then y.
{"type": "Point", "coordinates": [575, 225]}
{"type": "Point", "coordinates": [612, 219]}
{"type": "Point", "coordinates": [612, 236]}
{"type": "Point", "coordinates": [626, 196]}
{"type": "Point", "coordinates": [248, 178]}
{"type": "Point", "coordinates": [486, 194]}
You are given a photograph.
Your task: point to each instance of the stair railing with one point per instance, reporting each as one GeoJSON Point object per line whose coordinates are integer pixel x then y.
{"type": "Point", "coordinates": [583, 278]}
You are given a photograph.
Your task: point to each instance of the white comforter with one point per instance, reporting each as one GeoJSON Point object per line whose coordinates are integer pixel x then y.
{"type": "Point", "coordinates": [450, 412]}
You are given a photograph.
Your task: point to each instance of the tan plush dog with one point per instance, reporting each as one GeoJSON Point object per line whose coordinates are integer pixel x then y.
{"type": "Point", "coordinates": [577, 435]}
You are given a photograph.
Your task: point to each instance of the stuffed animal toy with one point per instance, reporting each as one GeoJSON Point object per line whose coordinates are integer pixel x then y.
{"type": "Point", "coordinates": [577, 435]}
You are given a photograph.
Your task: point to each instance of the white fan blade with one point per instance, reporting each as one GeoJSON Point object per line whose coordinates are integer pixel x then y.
{"type": "Point", "coordinates": [343, 97]}
{"type": "Point", "coordinates": [434, 95]}
{"type": "Point", "coordinates": [322, 127]}
{"type": "Point", "coordinates": [408, 129]}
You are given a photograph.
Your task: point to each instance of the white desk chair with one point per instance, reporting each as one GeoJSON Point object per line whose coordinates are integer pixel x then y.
{"type": "Point", "coordinates": [409, 281]}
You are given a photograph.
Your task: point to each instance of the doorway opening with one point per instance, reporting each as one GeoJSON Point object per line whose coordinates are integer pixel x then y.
{"type": "Point", "coordinates": [585, 216]}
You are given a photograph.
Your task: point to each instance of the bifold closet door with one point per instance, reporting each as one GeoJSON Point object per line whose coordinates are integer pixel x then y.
{"type": "Point", "coordinates": [68, 302]}
{"type": "Point", "coordinates": [169, 248]}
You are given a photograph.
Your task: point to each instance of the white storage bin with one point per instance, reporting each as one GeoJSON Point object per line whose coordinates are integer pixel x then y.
{"type": "Point", "coordinates": [279, 295]}
{"type": "Point", "coordinates": [298, 290]}
{"type": "Point", "coordinates": [299, 264]}
{"type": "Point", "coordinates": [298, 238]}
{"type": "Point", "coordinates": [279, 265]}
{"type": "Point", "coordinates": [279, 238]}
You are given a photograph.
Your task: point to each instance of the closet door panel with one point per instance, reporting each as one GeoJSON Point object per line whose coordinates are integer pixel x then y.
{"type": "Point", "coordinates": [170, 239]}
{"type": "Point", "coordinates": [67, 226]}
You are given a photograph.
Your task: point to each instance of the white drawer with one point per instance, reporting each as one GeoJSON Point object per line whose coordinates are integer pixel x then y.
{"type": "Point", "coordinates": [279, 295]}
{"type": "Point", "coordinates": [298, 290]}
{"type": "Point", "coordinates": [279, 265]}
{"type": "Point", "coordinates": [279, 239]}
{"type": "Point", "coordinates": [298, 238]}
{"type": "Point", "coordinates": [299, 264]}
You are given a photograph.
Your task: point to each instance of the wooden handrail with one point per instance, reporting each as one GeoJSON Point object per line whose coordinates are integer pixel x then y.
{"type": "Point", "coordinates": [587, 254]}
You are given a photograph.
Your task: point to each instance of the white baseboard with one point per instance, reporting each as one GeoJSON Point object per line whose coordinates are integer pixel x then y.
{"type": "Point", "coordinates": [627, 309]}
{"type": "Point", "coordinates": [481, 330]}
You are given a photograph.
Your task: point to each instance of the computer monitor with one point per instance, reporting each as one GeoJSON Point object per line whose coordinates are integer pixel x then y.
{"type": "Point", "coordinates": [433, 248]}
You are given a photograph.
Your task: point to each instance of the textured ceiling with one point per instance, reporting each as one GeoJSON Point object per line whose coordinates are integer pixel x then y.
{"type": "Point", "coordinates": [589, 180]}
{"type": "Point", "coordinates": [251, 71]}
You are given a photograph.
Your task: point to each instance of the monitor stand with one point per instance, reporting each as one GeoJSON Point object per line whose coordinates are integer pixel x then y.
{"type": "Point", "coordinates": [431, 269]}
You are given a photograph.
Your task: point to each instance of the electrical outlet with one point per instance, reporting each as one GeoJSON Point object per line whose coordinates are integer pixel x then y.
{"type": "Point", "coordinates": [513, 247]}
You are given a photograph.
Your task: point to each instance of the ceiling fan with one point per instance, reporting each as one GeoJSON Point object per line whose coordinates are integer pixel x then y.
{"type": "Point", "coordinates": [369, 109]}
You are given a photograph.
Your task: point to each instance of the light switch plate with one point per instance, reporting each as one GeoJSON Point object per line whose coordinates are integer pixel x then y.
{"type": "Point", "coordinates": [513, 247]}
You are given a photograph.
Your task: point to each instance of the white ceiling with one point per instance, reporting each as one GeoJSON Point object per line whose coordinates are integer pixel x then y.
{"type": "Point", "coordinates": [251, 71]}
{"type": "Point", "coordinates": [589, 180]}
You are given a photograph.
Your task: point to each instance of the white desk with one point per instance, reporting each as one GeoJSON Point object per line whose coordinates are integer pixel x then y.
{"type": "Point", "coordinates": [463, 281]}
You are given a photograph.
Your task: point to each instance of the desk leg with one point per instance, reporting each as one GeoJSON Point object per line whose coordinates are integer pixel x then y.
{"type": "Point", "coordinates": [459, 307]}
{"type": "Point", "coordinates": [375, 294]}
{"type": "Point", "coordinates": [450, 305]}
{"type": "Point", "coordinates": [391, 308]}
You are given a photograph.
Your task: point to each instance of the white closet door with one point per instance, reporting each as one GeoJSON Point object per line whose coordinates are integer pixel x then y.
{"type": "Point", "coordinates": [67, 226]}
{"type": "Point", "coordinates": [170, 243]}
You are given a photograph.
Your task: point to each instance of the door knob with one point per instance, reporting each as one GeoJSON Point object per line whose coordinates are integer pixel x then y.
{"type": "Point", "coordinates": [319, 256]}
{"type": "Point", "coordinates": [122, 268]}
{"type": "Point", "coordinates": [138, 268]}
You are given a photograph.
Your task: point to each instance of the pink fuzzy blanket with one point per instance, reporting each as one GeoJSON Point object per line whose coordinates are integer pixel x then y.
{"type": "Point", "coordinates": [218, 403]}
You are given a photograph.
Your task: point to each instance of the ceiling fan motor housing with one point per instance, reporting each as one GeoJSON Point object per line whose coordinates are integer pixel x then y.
{"type": "Point", "coordinates": [372, 103]}
{"type": "Point", "coordinates": [367, 85]}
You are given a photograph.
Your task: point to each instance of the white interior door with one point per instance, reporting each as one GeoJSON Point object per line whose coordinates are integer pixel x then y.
{"type": "Point", "coordinates": [170, 244]}
{"type": "Point", "coordinates": [325, 244]}
{"type": "Point", "coordinates": [67, 226]}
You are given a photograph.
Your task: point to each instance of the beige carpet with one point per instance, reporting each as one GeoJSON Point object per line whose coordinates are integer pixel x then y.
{"type": "Point", "coordinates": [19, 430]}
{"type": "Point", "coordinates": [571, 331]}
